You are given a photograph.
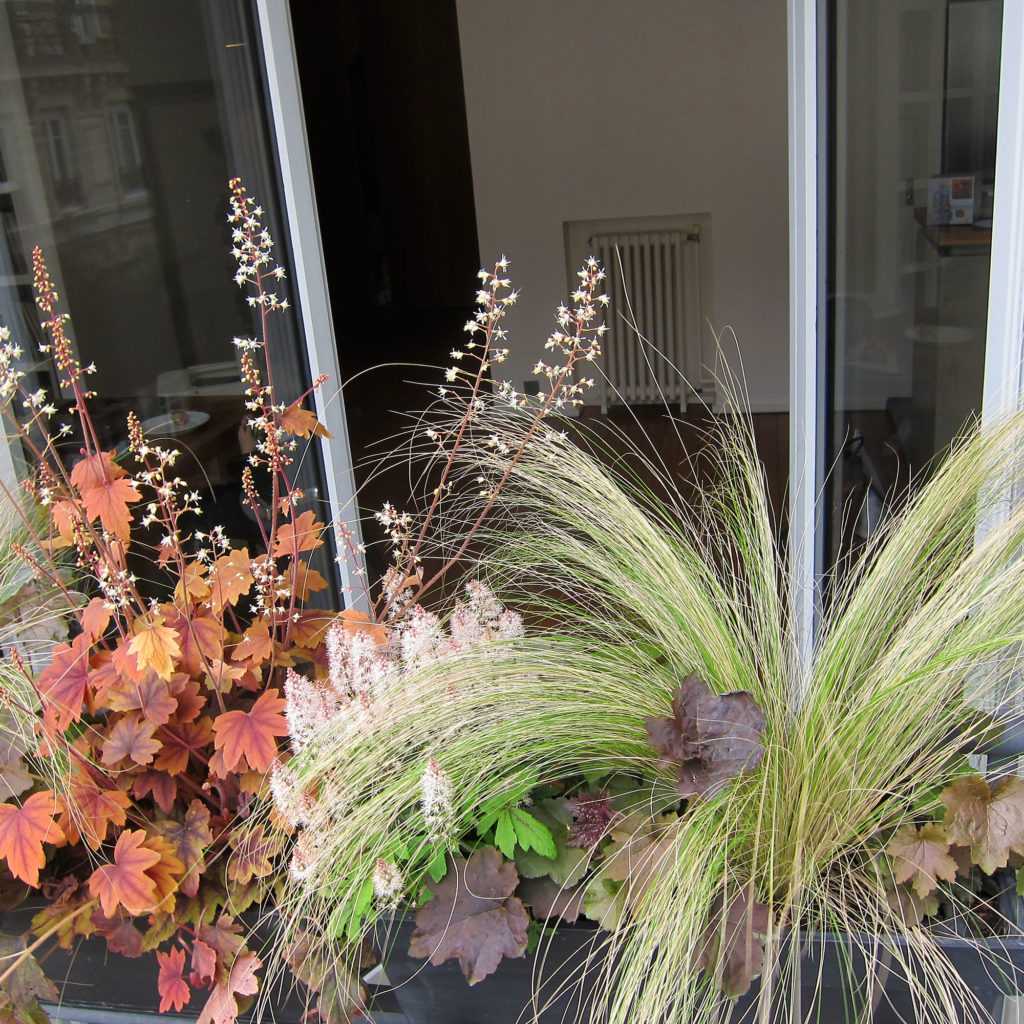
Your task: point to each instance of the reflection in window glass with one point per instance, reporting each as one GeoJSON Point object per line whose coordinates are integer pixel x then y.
{"type": "Point", "coordinates": [121, 122]}
{"type": "Point", "coordinates": [912, 112]}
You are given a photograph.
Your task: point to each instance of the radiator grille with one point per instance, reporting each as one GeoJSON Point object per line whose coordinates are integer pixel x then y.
{"type": "Point", "coordinates": [654, 279]}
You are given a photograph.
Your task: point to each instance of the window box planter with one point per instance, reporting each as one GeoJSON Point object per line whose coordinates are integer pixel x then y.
{"type": "Point", "coordinates": [440, 995]}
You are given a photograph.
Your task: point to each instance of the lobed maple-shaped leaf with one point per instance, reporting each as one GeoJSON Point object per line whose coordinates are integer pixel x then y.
{"type": "Point", "coordinates": [190, 700]}
{"type": "Point", "coordinates": [151, 698]}
{"type": "Point", "coordinates": [105, 493]}
{"type": "Point", "coordinates": [298, 535]}
{"type": "Point", "coordinates": [23, 830]}
{"type": "Point", "coordinates": [181, 740]}
{"type": "Point", "coordinates": [301, 422]}
{"type": "Point", "coordinates": [337, 982]}
{"type": "Point", "coordinates": [204, 964]}
{"type": "Point", "coordinates": [710, 738]}
{"type": "Point", "coordinates": [155, 645]}
{"type": "Point", "coordinates": [990, 820]}
{"type": "Point", "coordinates": [166, 872]}
{"type": "Point", "coordinates": [190, 838]}
{"type": "Point", "coordinates": [95, 617]}
{"type": "Point", "coordinates": [160, 786]}
{"type": "Point", "coordinates": [92, 810]}
{"type": "Point", "coordinates": [251, 734]}
{"type": "Point", "coordinates": [222, 1006]}
{"type": "Point", "coordinates": [61, 685]}
{"type": "Point", "coordinates": [256, 645]}
{"type": "Point", "coordinates": [548, 899]}
{"type": "Point", "coordinates": [123, 938]}
{"type": "Point", "coordinates": [732, 946]}
{"type": "Point", "coordinates": [125, 883]}
{"type": "Point", "coordinates": [473, 916]}
{"type": "Point", "coordinates": [230, 578]}
{"type": "Point", "coordinates": [170, 983]}
{"type": "Point", "coordinates": [131, 737]}
{"type": "Point", "coordinates": [192, 585]}
{"type": "Point", "coordinates": [253, 853]}
{"type": "Point", "coordinates": [200, 637]}
{"type": "Point", "coordinates": [921, 856]}
{"type": "Point", "coordinates": [225, 939]}
{"type": "Point", "coordinates": [307, 581]}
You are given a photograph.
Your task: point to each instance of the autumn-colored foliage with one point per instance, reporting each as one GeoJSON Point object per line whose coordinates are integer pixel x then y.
{"type": "Point", "coordinates": [164, 702]}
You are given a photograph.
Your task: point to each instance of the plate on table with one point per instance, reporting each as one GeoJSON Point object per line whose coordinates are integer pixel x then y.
{"type": "Point", "coordinates": [179, 421]}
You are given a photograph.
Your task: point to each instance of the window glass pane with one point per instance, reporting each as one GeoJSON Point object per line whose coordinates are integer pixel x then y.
{"type": "Point", "coordinates": [121, 122]}
{"type": "Point", "coordinates": [912, 107]}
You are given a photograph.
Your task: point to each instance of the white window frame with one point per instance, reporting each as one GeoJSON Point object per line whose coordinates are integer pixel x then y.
{"type": "Point", "coordinates": [310, 276]}
{"type": "Point", "coordinates": [1004, 343]}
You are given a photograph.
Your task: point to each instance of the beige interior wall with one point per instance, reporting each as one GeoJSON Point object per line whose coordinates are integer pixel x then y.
{"type": "Point", "coordinates": [601, 109]}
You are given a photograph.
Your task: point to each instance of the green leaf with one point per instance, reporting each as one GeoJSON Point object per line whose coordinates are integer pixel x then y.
{"type": "Point", "coordinates": [505, 835]}
{"type": "Point", "coordinates": [1020, 881]}
{"type": "Point", "coordinates": [486, 823]}
{"type": "Point", "coordinates": [533, 834]}
{"type": "Point", "coordinates": [438, 866]}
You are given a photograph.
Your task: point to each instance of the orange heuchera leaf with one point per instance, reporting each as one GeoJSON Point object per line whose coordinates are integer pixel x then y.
{"type": "Point", "coordinates": [174, 990]}
{"type": "Point", "coordinates": [181, 740]}
{"type": "Point", "coordinates": [250, 734]}
{"type": "Point", "coordinates": [23, 830]}
{"type": "Point", "coordinates": [307, 581]}
{"type": "Point", "coordinates": [161, 786]}
{"type": "Point", "coordinates": [95, 617]}
{"type": "Point", "coordinates": [125, 882]}
{"type": "Point", "coordinates": [301, 422]}
{"type": "Point", "coordinates": [61, 684]}
{"type": "Point", "coordinates": [253, 854]}
{"type": "Point", "coordinates": [255, 645]}
{"type": "Point", "coordinates": [222, 1007]}
{"type": "Point", "coordinates": [155, 645]}
{"type": "Point", "coordinates": [93, 810]}
{"type": "Point", "coordinates": [96, 470]}
{"type": "Point", "coordinates": [230, 578]}
{"type": "Point", "coordinates": [354, 621]}
{"type": "Point", "coordinates": [64, 515]}
{"type": "Point", "coordinates": [151, 698]}
{"type": "Point", "coordinates": [302, 534]}
{"type": "Point", "coordinates": [105, 493]}
{"type": "Point", "coordinates": [131, 737]}
{"type": "Point", "coordinates": [192, 585]}
{"type": "Point", "coordinates": [166, 872]}
{"type": "Point", "coordinates": [201, 638]}
{"type": "Point", "coordinates": [189, 839]}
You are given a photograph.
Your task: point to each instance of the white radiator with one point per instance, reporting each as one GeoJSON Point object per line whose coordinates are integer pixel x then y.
{"type": "Point", "coordinates": [654, 279]}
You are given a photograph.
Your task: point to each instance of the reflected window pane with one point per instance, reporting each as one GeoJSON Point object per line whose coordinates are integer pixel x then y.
{"type": "Point", "coordinates": [121, 122]}
{"type": "Point", "coordinates": [912, 107]}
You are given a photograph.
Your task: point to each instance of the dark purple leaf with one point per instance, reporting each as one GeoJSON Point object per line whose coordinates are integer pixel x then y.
{"type": "Point", "coordinates": [548, 899]}
{"type": "Point", "coordinates": [710, 738]}
{"type": "Point", "coordinates": [473, 916]}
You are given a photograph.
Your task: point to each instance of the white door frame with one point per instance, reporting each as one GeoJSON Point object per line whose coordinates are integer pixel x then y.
{"type": "Point", "coordinates": [1004, 344]}
{"type": "Point", "coordinates": [805, 395]}
{"type": "Point", "coordinates": [310, 277]}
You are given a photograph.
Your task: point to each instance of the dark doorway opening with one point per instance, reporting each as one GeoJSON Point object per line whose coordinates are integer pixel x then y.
{"type": "Point", "coordinates": [386, 119]}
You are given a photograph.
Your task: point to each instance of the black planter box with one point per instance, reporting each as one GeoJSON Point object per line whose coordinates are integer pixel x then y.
{"type": "Point", "coordinates": [441, 995]}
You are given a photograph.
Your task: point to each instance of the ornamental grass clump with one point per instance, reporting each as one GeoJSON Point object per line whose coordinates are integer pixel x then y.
{"type": "Point", "coordinates": [653, 754]}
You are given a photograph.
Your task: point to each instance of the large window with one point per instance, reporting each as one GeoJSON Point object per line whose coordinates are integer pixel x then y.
{"type": "Point", "coordinates": [121, 122]}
